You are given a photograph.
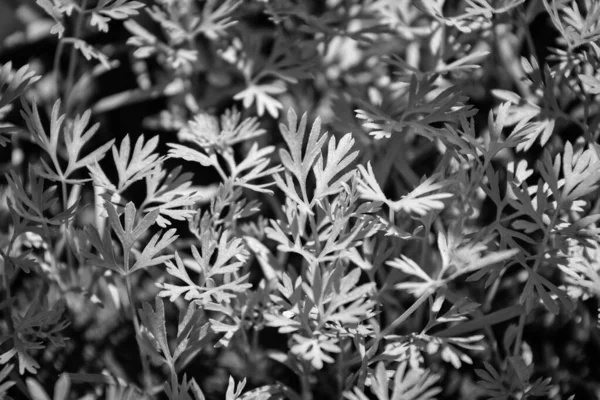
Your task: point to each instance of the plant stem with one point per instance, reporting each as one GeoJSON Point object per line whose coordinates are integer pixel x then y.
{"type": "Point", "coordinates": [536, 265]}
{"type": "Point", "coordinates": [222, 173]}
{"type": "Point", "coordinates": [136, 326]}
{"type": "Point", "coordinates": [404, 315]}
{"type": "Point", "coordinates": [6, 282]}
{"type": "Point", "coordinates": [65, 226]}
{"type": "Point", "coordinates": [373, 343]}
{"type": "Point", "coordinates": [73, 53]}
{"type": "Point", "coordinates": [311, 219]}
{"type": "Point", "coordinates": [255, 343]}
{"type": "Point", "coordinates": [56, 63]}
{"type": "Point", "coordinates": [341, 369]}
{"type": "Point", "coordinates": [305, 382]}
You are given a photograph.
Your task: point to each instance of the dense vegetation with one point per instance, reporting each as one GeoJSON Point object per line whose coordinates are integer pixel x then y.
{"type": "Point", "coordinates": [299, 199]}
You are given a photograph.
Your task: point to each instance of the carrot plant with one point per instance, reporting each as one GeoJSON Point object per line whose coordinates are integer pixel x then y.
{"type": "Point", "coordinates": [341, 199]}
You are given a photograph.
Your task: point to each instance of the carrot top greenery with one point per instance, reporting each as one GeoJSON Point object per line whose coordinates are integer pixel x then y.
{"type": "Point", "coordinates": [299, 199]}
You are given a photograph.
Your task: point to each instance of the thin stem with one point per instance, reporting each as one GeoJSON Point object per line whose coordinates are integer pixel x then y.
{"type": "Point", "coordinates": [174, 378]}
{"type": "Point", "coordinates": [222, 173]}
{"type": "Point", "coordinates": [520, 329]}
{"type": "Point", "coordinates": [136, 326]}
{"type": "Point", "coordinates": [525, 19]}
{"type": "Point", "coordinates": [425, 250]}
{"type": "Point", "coordinates": [255, 342]}
{"type": "Point", "coordinates": [6, 282]}
{"type": "Point", "coordinates": [65, 226]}
{"type": "Point", "coordinates": [489, 298]}
{"type": "Point", "coordinates": [247, 346]}
{"type": "Point", "coordinates": [373, 343]}
{"type": "Point", "coordinates": [342, 370]}
{"type": "Point", "coordinates": [305, 378]}
{"type": "Point", "coordinates": [536, 265]}
{"type": "Point", "coordinates": [405, 315]}
{"type": "Point", "coordinates": [305, 382]}
{"type": "Point", "coordinates": [390, 328]}
{"type": "Point", "coordinates": [73, 53]}
{"type": "Point", "coordinates": [56, 63]}
{"type": "Point", "coordinates": [311, 219]}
